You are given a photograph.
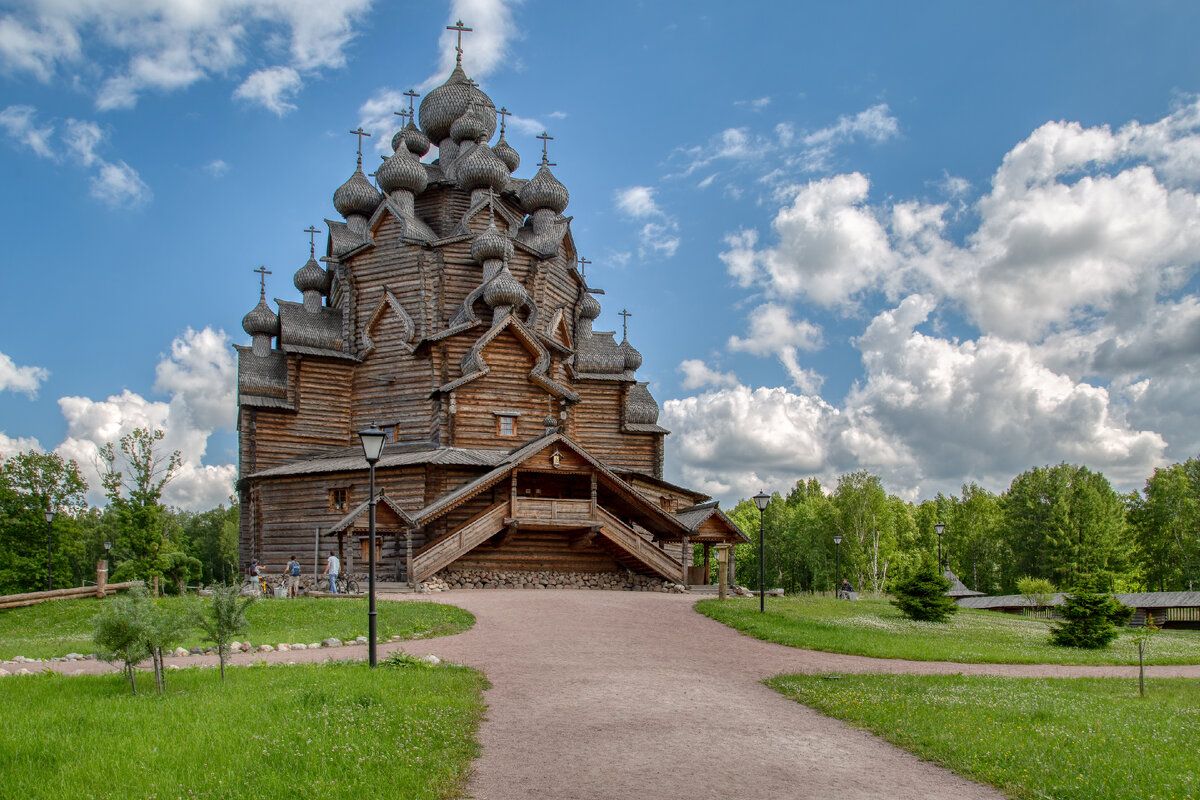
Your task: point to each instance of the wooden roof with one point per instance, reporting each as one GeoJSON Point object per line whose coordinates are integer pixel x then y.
{"type": "Point", "coordinates": [719, 528]}
{"type": "Point", "coordinates": [348, 520]}
{"type": "Point", "coordinates": [1132, 599]}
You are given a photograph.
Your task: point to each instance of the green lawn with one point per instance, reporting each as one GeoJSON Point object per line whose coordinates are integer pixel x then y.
{"type": "Point", "coordinates": [875, 628]}
{"type": "Point", "coordinates": [65, 626]}
{"type": "Point", "coordinates": [334, 730]}
{"type": "Point", "coordinates": [1062, 739]}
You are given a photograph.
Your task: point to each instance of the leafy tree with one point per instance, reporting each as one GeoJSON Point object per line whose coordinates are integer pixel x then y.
{"type": "Point", "coordinates": [225, 618]}
{"type": "Point", "coordinates": [862, 514]}
{"type": "Point", "coordinates": [1089, 618]}
{"type": "Point", "coordinates": [212, 537]}
{"type": "Point", "coordinates": [166, 626]}
{"type": "Point", "coordinates": [1166, 524]}
{"type": "Point", "coordinates": [921, 594]}
{"type": "Point", "coordinates": [1143, 638]}
{"type": "Point", "coordinates": [135, 501]}
{"type": "Point", "coordinates": [30, 483]}
{"type": "Point", "coordinates": [976, 549]}
{"type": "Point", "coordinates": [1064, 523]}
{"type": "Point", "coordinates": [122, 630]}
{"type": "Point", "coordinates": [1038, 591]}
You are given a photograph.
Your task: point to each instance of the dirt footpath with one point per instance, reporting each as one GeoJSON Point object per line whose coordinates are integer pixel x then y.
{"type": "Point", "coordinates": [599, 695]}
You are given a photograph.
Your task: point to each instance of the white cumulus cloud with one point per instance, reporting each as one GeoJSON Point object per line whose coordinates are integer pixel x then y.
{"type": "Point", "coordinates": [271, 88]}
{"type": "Point", "coordinates": [26, 380]}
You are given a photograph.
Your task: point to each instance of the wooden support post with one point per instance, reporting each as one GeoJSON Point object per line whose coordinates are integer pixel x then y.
{"type": "Point", "coordinates": [685, 558]}
{"type": "Point", "coordinates": [707, 548]}
{"type": "Point", "coordinates": [408, 556]}
{"type": "Point", "coordinates": [723, 554]}
{"type": "Point", "coordinates": [732, 573]}
{"type": "Point", "coordinates": [593, 494]}
{"type": "Point", "coordinates": [101, 576]}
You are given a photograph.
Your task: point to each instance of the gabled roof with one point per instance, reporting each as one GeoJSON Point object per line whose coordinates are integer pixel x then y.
{"type": "Point", "coordinates": [348, 520]}
{"type": "Point", "coordinates": [697, 515]}
{"type": "Point", "coordinates": [447, 502]}
{"type": "Point", "coordinates": [698, 497]}
{"type": "Point", "coordinates": [957, 587]}
{"type": "Point", "coordinates": [474, 365]}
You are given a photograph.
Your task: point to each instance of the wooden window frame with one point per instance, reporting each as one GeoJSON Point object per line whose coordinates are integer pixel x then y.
{"type": "Point", "coordinates": [333, 499]}
{"type": "Point", "coordinates": [501, 419]}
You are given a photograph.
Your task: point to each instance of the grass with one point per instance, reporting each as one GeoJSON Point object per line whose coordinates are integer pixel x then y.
{"type": "Point", "coordinates": [335, 730]}
{"type": "Point", "coordinates": [1061, 738]}
{"type": "Point", "coordinates": [65, 626]}
{"type": "Point", "coordinates": [873, 627]}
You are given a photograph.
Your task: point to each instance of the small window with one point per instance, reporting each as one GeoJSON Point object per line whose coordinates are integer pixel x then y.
{"type": "Point", "coordinates": [337, 499]}
{"type": "Point", "coordinates": [506, 425]}
{"type": "Point", "coordinates": [667, 504]}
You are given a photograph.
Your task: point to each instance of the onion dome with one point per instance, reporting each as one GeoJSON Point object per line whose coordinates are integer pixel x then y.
{"type": "Point", "coordinates": [480, 168]}
{"type": "Point", "coordinates": [312, 277]}
{"type": "Point", "coordinates": [544, 191]}
{"type": "Point", "coordinates": [356, 196]}
{"type": "Point", "coordinates": [470, 127]}
{"type": "Point", "coordinates": [640, 407]}
{"type": "Point", "coordinates": [412, 138]}
{"type": "Point", "coordinates": [589, 307]}
{"type": "Point", "coordinates": [504, 152]}
{"type": "Point", "coordinates": [445, 104]}
{"type": "Point", "coordinates": [402, 171]}
{"type": "Point", "coordinates": [491, 244]}
{"type": "Point", "coordinates": [261, 321]}
{"type": "Point", "coordinates": [550, 424]}
{"type": "Point", "coordinates": [504, 290]}
{"type": "Point", "coordinates": [633, 359]}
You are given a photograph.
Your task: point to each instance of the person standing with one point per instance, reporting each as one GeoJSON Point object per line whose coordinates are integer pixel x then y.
{"type": "Point", "coordinates": [332, 566]}
{"type": "Point", "coordinates": [292, 576]}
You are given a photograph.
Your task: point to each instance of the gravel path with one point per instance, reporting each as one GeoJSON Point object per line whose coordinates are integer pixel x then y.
{"type": "Point", "coordinates": [601, 695]}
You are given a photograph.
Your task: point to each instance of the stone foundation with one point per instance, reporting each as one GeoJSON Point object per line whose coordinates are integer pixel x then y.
{"type": "Point", "coordinates": [506, 579]}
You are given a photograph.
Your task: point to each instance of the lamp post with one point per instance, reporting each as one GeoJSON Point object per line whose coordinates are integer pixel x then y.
{"type": "Point", "coordinates": [49, 542]}
{"type": "Point", "coordinates": [372, 445]}
{"type": "Point", "coordinates": [760, 500]}
{"type": "Point", "coordinates": [837, 570]}
{"type": "Point", "coordinates": [940, 528]}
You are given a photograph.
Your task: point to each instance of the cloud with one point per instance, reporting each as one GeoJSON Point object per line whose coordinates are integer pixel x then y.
{"type": "Point", "coordinates": [657, 236]}
{"type": "Point", "coordinates": [200, 378]}
{"type": "Point", "coordinates": [83, 138]}
{"type": "Point", "coordinates": [874, 124]}
{"type": "Point", "coordinates": [18, 123]}
{"type": "Point", "coordinates": [271, 88]}
{"type": "Point", "coordinates": [217, 168]}
{"type": "Point", "coordinates": [26, 380]}
{"type": "Point", "coordinates": [120, 186]}
{"type": "Point", "coordinates": [757, 104]}
{"type": "Point", "coordinates": [10, 447]}
{"type": "Point", "coordinates": [697, 375]}
{"type": "Point", "coordinates": [774, 332]}
{"type": "Point", "coordinates": [1063, 326]}
{"type": "Point", "coordinates": [484, 48]}
{"type": "Point", "coordinates": [166, 46]}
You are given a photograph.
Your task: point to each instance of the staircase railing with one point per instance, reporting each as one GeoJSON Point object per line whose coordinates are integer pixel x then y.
{"type": "Point", "coordinates": [438, 554]}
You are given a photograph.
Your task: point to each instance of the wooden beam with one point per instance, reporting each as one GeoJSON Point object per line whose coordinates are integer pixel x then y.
{"type": "Point", "coordinates": [505, 536]}
{"type": "Point", "coordinates": [584, 538]}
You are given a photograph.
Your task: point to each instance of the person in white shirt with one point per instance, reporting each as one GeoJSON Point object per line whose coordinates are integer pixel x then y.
{"type": "Point", "coordinates": [332, 566]}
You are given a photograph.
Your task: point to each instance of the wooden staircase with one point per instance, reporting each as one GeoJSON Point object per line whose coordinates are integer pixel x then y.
{"type": "Point", "coordinates": [444, 551]}
{"type": "Point", "coordinates": [626, 541]}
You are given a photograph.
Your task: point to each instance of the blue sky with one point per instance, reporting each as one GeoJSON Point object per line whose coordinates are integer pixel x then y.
{"type": "Point", "coordinates": [940, 241]}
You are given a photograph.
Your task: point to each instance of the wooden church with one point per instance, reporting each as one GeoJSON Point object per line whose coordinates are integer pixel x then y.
{"type": "Point", "coordinates": [452, 310]}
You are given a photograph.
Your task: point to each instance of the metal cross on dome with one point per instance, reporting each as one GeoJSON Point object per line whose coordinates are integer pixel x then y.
{"type": "Point", "coordinates": [312, 232]}
{"type": "Point", "coordinates": [403, 115]}
{"type": "Point", "coordinates": [458, 26]}
{"type": "Point", "coordinates": [545, 137]}
{"type": "Point", "coordinates": [411, 95]}
{"type": "Point", "coordinates": [263, 272]}
{"type": "Point", "coordinates": [491, 205]}
{"type": "Point", "coordinates": [360, 133]}
{"type": "Point", "coordinates": [625, 315]}
{"type": "Point", "coordinates": [503, 112]}
{"type": "Point", "coordinates": [583, 262]}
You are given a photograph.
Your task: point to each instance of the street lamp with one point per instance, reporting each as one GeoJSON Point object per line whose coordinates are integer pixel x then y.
{"type": "Point", "coordinates": [760, 500]}
{"type": "Point", "coordinates": [940, 528]}
{"type": "Point", "coordinates": [837, 570]}
{"type": "Point", "coordinates": [372, 445]}
{"type": "Point", "coordinates": [49, 541]}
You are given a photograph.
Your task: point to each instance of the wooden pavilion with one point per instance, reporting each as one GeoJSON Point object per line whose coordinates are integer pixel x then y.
{"type": "Point", "coordinates": [451, 308]}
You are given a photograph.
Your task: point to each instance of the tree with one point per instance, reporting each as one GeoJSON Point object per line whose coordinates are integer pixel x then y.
{"type": "Point", "coordinates": [921, 594]}
{"type": "Point", "coordinates": [1065, 523]}
{"type": "Point", "coordinates": [225, 618]}
{"type": "Point", "coordinates": [135, 500]}
{"type": "Point", "coordinates": [1089, 618]}
{"type": "Point", "coordinates": [862, 514]}
{"type": "Point", "coordinates": [122, 628]}
{"type": "Point", "coordinates": [31, 483]}
{"type": "Point", "coordinates": [1038, 591]}
{"type": "Point", "coordinates": [166, 626]}
{"type": "Point", "coordinates": [1166, 525]}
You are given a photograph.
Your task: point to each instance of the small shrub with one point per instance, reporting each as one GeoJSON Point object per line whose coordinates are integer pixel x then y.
{"type": "Point", "coordinates": [1039, 592]}
{"type": "Point", "coordinates": [921, 595]}
{"type": "Point", "coordinates": [1089, 619]}
{"type": "Point", "coordinates": [122, 630]}
{"type": "Point", "coordinates": [399, 658]}
{"type": "Point", "coordinates": [224, 619]}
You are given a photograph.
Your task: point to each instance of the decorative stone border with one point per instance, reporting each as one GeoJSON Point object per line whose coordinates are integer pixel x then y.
{"type": "Point", "coordinates": [627, 581]}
